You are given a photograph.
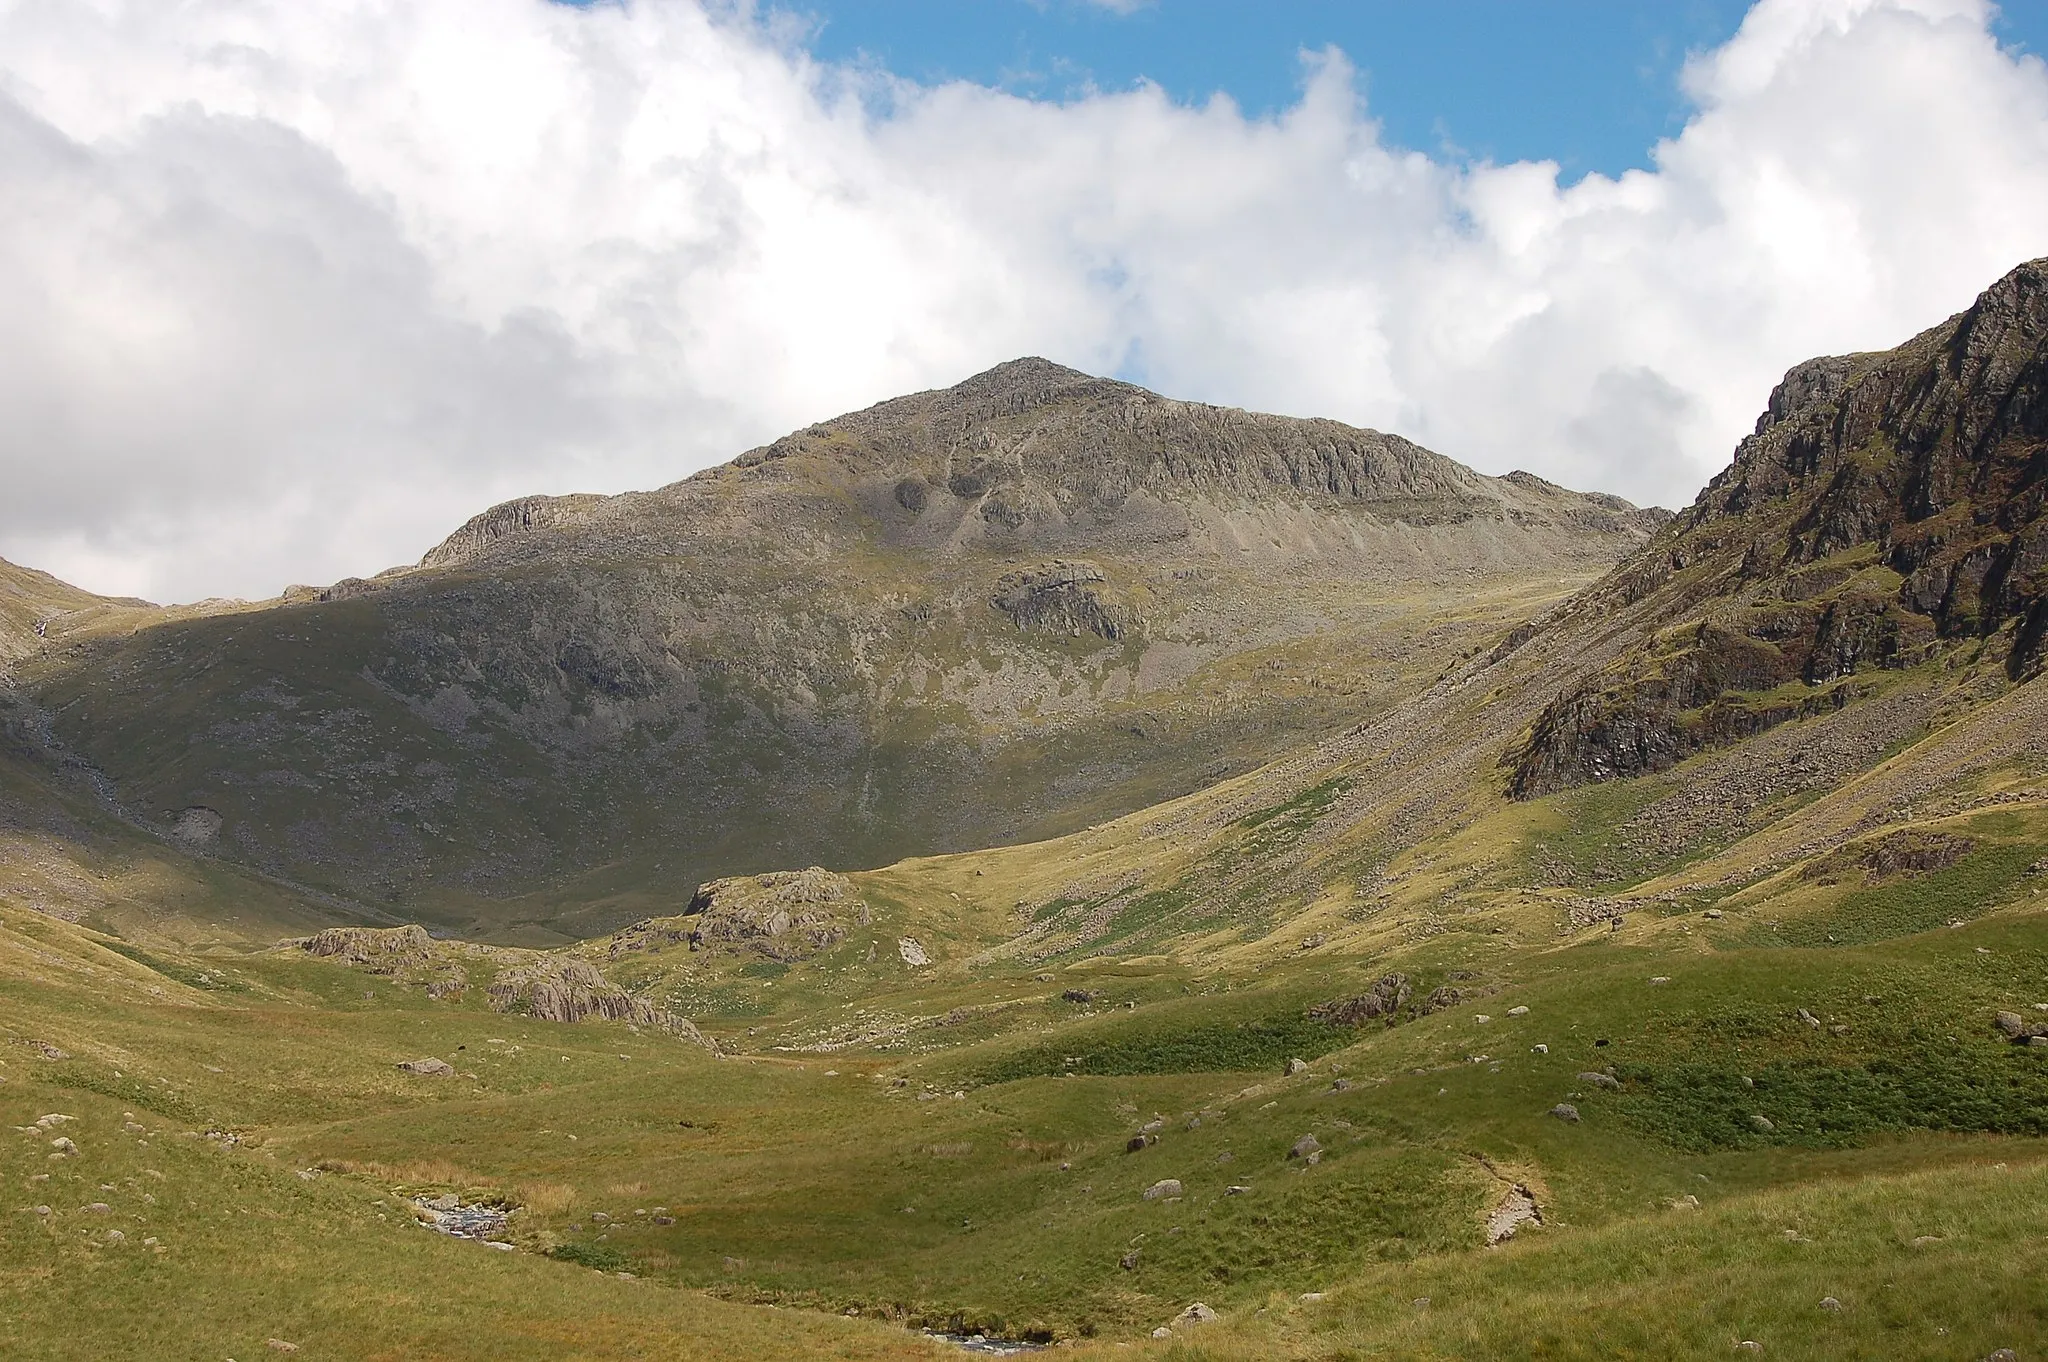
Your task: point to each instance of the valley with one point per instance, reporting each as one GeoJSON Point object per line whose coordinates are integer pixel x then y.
{"type": "Point", "coordinates": [1033, 857]}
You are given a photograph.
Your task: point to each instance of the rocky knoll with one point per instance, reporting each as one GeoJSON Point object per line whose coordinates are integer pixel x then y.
{"type": "Point", "coordinates": [543, 985]}
{"type": "Point", "coordinates": [1887, 506]}
{"type": "Point", "coordinates": [976, 615]}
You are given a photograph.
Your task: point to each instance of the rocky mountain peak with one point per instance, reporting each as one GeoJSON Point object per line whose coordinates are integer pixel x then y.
{"type": "Point", "coordinates": [1888, 505]}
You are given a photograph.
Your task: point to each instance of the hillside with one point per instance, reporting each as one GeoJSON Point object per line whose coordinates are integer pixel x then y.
{"type": "Point", "coordinates": [1661, 974]}
{"type": "Point", "coordinates": [987, 614]}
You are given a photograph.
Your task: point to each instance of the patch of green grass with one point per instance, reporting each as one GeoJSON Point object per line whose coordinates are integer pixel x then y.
{"type": "Point", "coordinates": [1703, 1107]}
{"type": "Point", "coordinates": [191, 977]}
{"type": "Point", "coordinates": [1145, 1046]}
{"type": "Point", "coordinates": [600, 1257]}
{"type": "Point", "coordinates": [1909, 905]}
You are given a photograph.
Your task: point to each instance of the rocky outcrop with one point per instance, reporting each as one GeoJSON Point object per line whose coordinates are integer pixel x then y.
{"type": "Point", "coordinates": [783, 915]}
{"type": "Point", "coordinates": [562, 988]}
{"type": "Point", "coordinates": [545, 986]}
{"type": "Point", "coordinates": [1383, 1000]}
{"type": "Point", "coordinates": [375, 950]}
{"type": "Point", "coordinates": [1060, 598]}
{"type": "Point", "coordinates": [1887, 505]}
{"type": "Point", "coordinates": [507, 520]}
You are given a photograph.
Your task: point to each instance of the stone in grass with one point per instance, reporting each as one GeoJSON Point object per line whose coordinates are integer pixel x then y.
{"type": "Point", "coordinates": [1197, 1313]}
{"type": "Point", "coordinates": [1518, 1012]}
{"type": "Point", "coordinates": [1600, 1080]}
{"type": "Point", "coordinates": [427, 1067]}
{"type": "Point", "coordinates": [1296, 1066]}
{"type": "Point", "coordinates": [1831, 1305]}
{"type": "Point", "coordinates": [1304, 1147]}
{"type": "Point", "coordinates": [1749, 1345]}
{"type": "Point", "coordinates": [1165, 1187]}
{"type": "Point", "coordinates": [1129, 1262]}
{"type": "Point", "coordinates": [278, 1345]}
{"type": "Point", "coordinates": [1565, 1111]}
{"type": "Point", "coordinates": [2003, 1355]}
{"type": "Point", "coordinates": [1762, 1122]}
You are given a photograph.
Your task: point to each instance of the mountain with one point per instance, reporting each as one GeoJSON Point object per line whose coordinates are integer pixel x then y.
{"type": "Point", "coordinates": [989, 613]}
{"type": "Point", "coordinates": [1650, 966]}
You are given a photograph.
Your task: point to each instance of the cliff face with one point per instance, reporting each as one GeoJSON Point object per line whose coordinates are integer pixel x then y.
{"type": "Point", "coordinates": [1888, 506]}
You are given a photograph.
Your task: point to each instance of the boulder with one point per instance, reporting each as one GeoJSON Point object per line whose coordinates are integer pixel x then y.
{"type": "Point", "coordinates": [427, 1067]}
{"type": "Point", "coordinates": [1296, 1066]}
{"type": "Point", "coordinates": [1608, 1081]}
{"type": "Point", "coordinates": [1129, 1262]}
{"type": "Point", "coordinates": [1162, 1189]}
{"type": "Point", "coordinates": [1197, 1313]}
{"type": "Point", "coordinates": [1305, 1147]}
{"type": "Point", "coordinates": [1565, 1111]}
{"type": "Point", "coordinates": [912, 951]}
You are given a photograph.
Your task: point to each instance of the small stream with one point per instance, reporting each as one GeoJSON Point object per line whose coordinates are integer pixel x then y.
{"type": "Point", "coordinates": [984, 1346]}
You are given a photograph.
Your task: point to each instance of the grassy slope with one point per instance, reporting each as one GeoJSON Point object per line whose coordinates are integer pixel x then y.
{"type": "Point", "coordinates": [1012, 1204]}
{"type": "Point", "coordinates": [806, 1176]}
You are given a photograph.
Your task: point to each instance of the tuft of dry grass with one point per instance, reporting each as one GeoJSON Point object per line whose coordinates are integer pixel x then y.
{"type": "Point", "coordinates": [545, 1198]}
{"type": "Point", "coordinates": [418, 1172]}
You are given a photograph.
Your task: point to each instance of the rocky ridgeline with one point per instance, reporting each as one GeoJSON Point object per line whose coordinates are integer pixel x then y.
{"type": "Point", "coordinates": [1887, 506]}
{"type": "Point", "coordinates": [543, 985]}
{"type": "Point", "coordinates": [1032, 452]}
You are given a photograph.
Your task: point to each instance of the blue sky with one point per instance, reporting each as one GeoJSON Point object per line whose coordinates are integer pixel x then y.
{"type": "Point", "coordinates": [1590, 84]}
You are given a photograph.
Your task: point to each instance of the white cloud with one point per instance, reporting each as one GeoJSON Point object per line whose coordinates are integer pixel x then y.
{"type": "Point", "coordinates": [290, 287]}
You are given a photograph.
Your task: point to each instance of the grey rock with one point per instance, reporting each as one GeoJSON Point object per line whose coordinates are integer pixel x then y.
{"type": "Point", "coordinates": [428, 1067]}
{"type": "Point", "coordinates": [1598, 1080]}
{"type": "Point", "coordinates": [1565, 1111]}
{"type": "Point", "coordinates": [1296, 1066]}
{"type": "Point", "coordinates": [1304, 1147]}
{"type": "Point", "coordinates": [1761, 1122]}
{"type": "Point", "coordinates": [1129, 1262]}
{"type": "Point", "coordinates": [1165, 1187]}
{"type": "Point", "coordinates": [1197, 1313]}
{"type": "Point", "coordinates": [1830, 1304]}
{"type": "Point", "coordinates": [1385, 998]}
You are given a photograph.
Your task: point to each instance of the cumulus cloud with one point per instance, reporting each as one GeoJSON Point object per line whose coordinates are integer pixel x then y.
{"type": "Point", "coordinates": [290, 287]}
